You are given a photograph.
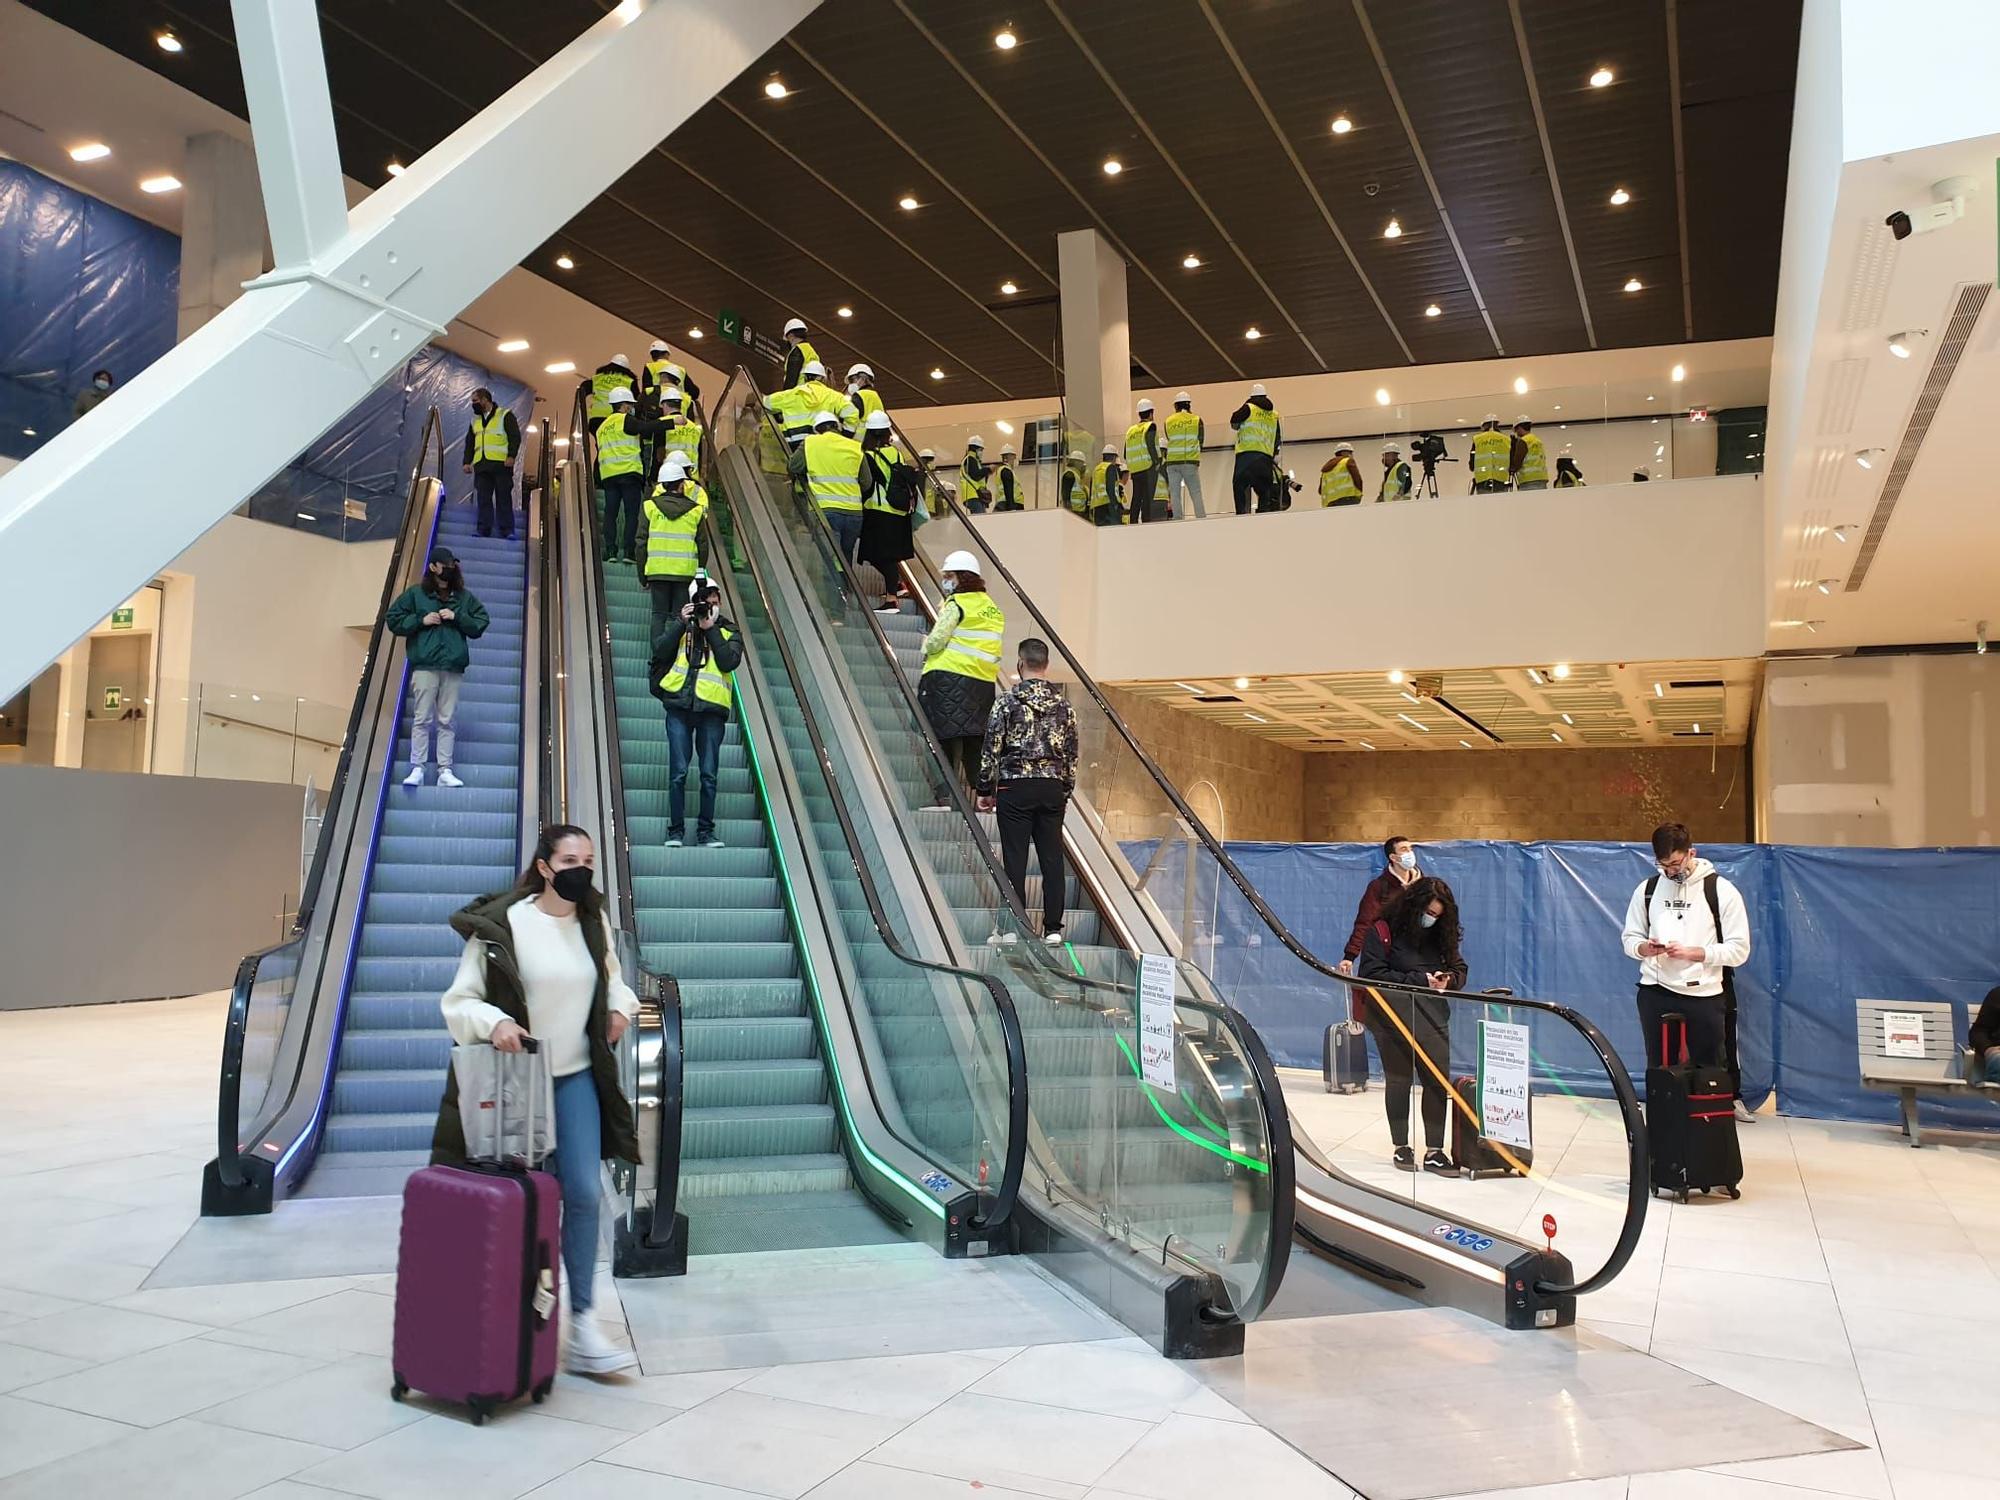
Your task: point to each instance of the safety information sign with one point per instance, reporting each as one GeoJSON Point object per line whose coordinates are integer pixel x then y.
{"type": "Point", "coordinates": [1902, 1033]}
{"type": "Point", "coordinates": [1156, 1021]}
{"type": "Point", "coordinates": [1503, 1083]}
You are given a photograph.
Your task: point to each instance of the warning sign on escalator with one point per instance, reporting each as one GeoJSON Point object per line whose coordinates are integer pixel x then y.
{"type": "Point", "coordinates": [1503, 1083]}
{"type": "Point", "coordinates": [1156, 1021]}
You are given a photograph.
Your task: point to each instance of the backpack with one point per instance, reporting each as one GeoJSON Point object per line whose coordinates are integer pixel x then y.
{"type": "Point", "coordinates": [904, 488]}
{"type": "Point", "coordinates": [1714, 910]}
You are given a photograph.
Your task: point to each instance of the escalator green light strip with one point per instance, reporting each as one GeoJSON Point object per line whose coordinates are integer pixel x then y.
{"type": "Point", "coordinates": [923, 1198]}
{"type": "Point", "coordinates": [1181, 1130]}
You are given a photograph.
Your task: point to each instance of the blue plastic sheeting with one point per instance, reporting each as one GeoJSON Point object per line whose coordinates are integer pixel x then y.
{"type": "Point", "coordinates": [85, 286]}
{"type": "Point", "coordinates": [1544, 920]}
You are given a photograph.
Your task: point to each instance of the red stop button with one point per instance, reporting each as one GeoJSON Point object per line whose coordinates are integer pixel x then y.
{"type": "Point", "coordinates": [1549, 1226]}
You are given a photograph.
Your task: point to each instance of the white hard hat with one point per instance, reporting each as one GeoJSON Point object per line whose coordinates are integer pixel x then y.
{"type": "Point", "coordinates": [878, 421]}
{"type": "Point", "coordinates": [859, 369]}
{"type": "Point", "coordinates": [1258, 390]}
{"type": "Point", "coordinates": [925, 453]}
{"type": "Point", "coordinates": [1009, 452]}
{"type": "Point", "coordinates": [619, 393]}
{"type": "Point", "coordinates": [1144, 406]}
{"type": "Point", "coordinates": [678, 456]}
{"type": "Point", "coordinates": [621, 361]}
{"type": "Point", "coordinates": [975, 441]}
{"type": "Point", "coordinates": [1519, 421]}
{"type": "Point", "coordinates": [1493, 416]}
{"type": "Point", "coordinates": [961, 562]}
{"type": "Point", "coordinates": [812, 367]}
{"type": "Point", "coordinates": [1182, 398]}
{"type": "Point", "coordinates": [1392, 447]}
{"type": "Point", "coordinates": [659, 346]}
{"type": "Point", "coordinates": [1343, 447]}
{"type": "Point", "coordinates": [673, 471]}
{"type": "Point", "coordinates": [672, 396]}
{"type": "Point", "coordinates": [1075, 457]}
{"type": "Point", "coordinates": [825, 418]}
{"type": "Point", "coordinates": [1110, 450]}
{"type": "Point", "coordinates": [795, 325]}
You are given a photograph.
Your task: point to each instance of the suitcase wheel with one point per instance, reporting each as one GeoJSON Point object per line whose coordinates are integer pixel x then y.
{"type": "Point", "coordinates": [1733, 1191]}
{"type": "Point", "coordinates": [399, 1390]}
{"type": "Point", "coordinates": [481, 1410]}
{"type": "Point", "coordinates": [542, 1390]}
{"type": "Point", "coordinates": [1684, 1195]}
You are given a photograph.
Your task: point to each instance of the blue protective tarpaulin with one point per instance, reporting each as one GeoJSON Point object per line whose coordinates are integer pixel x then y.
{"type": "Point", "coordinates": [1544, 920]}
{"type": "Point", "coordinates": [85, 286]}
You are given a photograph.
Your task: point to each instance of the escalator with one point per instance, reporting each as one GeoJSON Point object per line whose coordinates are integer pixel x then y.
{"type": "Point", "coordinates": [333, 1045]}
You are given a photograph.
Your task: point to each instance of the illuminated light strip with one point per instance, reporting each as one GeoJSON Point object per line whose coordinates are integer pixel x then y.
{"type": "Point", "coordinates": [1175, 1125]}
{"type": "Point", "coordinates": [812, 978]}
{"type": "Point", "coordinates": [1415, 1242]}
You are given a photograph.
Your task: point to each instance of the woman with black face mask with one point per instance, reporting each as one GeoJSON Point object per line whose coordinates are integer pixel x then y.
{"type": "Point", "coordinates": [1415, 943]}
{"type": "Point", "coordinates": [540, 961]}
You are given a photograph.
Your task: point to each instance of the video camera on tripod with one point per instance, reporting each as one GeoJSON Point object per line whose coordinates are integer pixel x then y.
{"type": "Point", "coordinates": [1428, 450]}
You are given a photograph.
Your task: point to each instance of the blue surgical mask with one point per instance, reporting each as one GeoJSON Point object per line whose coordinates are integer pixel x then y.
{"type": "Point", "coordinates": [949, 584]}
{"type": "Point", "coordinates": [103, 382]}
{"type": "Point", "coordinates": [1407, 859]}
{"type": "Point", "coordinates": [1427, 920]}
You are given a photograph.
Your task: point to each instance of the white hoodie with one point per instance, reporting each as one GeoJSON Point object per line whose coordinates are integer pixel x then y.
{"type": "Point", "coordinates": [1680, 914]}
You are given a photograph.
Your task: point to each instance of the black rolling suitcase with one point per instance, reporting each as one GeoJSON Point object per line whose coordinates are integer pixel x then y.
{"type": "Point", "coordinates": [1474, 1155]}
{"type": "Point", "coordinates": [1345, 1059]}
{"type": "Point", "coordinates": [1691, 1122]}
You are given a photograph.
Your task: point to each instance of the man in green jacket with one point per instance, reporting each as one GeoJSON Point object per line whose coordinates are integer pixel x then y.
{"type": "Point", "coordinates": [437, 617]}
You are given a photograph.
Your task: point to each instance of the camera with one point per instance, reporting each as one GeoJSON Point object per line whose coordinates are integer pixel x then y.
{"type": "Point", "coordinates": [1428, 450]}
{"type": "Point", "coordinates": [1946, 208]}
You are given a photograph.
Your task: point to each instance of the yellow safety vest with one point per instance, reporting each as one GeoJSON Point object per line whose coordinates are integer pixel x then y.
{"type": "Point", "coordinates": [790, 409]}
{"type": "Point", "coordinates": [1338, 483]}
{"type": "Point", "coordinates": [807, 356]}
{"type": "Point", "coordinates": [673, 373]}
{"type": "Point", "coordinates": [1490, 452]}
{"type": "Point", "coordinates": [819, 396]}
{"type": "Point", "coordinates": [1183, 438]}
{"type": "Point", "coordinates": [867, 402]}
{"type": "Point", "coordinates": [1004, 477]}
{"type": "Point", "coordinates": [974, 647]}
{"type": "Point", "coordinates": [687, 438]}
{"type": "Point", "coordinates": [1259, 432]}
{"type": "Point", "coordinates": [710, 685]}
{"type": "Point", "coordinates": [672, 550]}
{"type": "Point", "coordinates": [1535, 463]}
{"type": "Point", "coordinates": [1079, 490]}
{"type": "Point", "coordinates": [1395, 482]}
{"type": "Point", "coordinates": [1101, 492]}
{"type": "Point", "coordinates": [833, 471]}
{"type": "Point", "coordinates": [489, 437]}
{"type": "Point", "coordinates": [617, 449]}
{"type": "Point", "coordinates": [603, 383]}
{"type": "Point", "coordinates": [1138, 458]}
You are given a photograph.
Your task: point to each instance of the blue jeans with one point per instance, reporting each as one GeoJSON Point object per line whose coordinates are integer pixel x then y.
{"type": "Point", "coordinates": [690, 735]}
{"type": "Point", "coordinates": [578, 1153]}
{"type": "Point", "coordinates": [846, 528]}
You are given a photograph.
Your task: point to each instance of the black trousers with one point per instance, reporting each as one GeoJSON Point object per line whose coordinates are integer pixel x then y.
{"type": "Point", "coordinates": [1254, 472]}
{"type": "Point", "coordinates": [1705, 1024]}
{"type": "Point", "coordinates": [961, 753]}
{"type": "Point", "coordinates": [1032, 811]}
{"type": "Point", "coordinates": [494, 489]}
{"type": "Point", "coordinates": [1144, 483]}
{"type": "Point", "coordinates": [1426, 1018]}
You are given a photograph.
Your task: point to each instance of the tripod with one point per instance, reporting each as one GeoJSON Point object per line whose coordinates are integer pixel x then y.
{"type": "Point", "coordinates": [1427, 482]}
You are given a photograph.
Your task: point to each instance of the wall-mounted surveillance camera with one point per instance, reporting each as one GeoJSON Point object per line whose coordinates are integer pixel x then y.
{"type": "Point", "coordinates": [1946, 208]}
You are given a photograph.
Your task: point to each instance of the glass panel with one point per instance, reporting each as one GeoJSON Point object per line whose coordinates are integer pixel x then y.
{"type": "Point", "coordinates": [267, 991]}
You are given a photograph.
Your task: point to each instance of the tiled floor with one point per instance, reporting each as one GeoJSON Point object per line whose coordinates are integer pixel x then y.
{"type": "Point", "coordinates": [1854, 1286]}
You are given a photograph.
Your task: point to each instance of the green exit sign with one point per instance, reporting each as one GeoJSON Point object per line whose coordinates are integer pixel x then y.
{"type": "Point", "coordinates": [121, 619]}
{"type": "Point", "coordinates": [114, 699]}
{"type": "Point", "coordinates": [729, 326]}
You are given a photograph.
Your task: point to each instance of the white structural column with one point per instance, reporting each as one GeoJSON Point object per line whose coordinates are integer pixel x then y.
{"type": "Point", "coordinates": [115, 496]}
{"type": "Point", "coordinates": [291, 117]}
{"type": "Point", "coordinates": [222, 226]}
{"type": "Point", "coordinates": [1096, 338]}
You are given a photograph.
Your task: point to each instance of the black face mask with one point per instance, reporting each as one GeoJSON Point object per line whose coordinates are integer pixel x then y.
{"type": "Point", "coordinates": [572, 884]}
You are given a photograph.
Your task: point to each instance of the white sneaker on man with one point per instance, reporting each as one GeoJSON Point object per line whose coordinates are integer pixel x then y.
{"type": "Point", "coordinates": [445, 778]}
{"type": "Point", "coordinates": [1743, 1114]}
{"type": "Point", "coordinates": [590, 1350]}
{"type": "Point", "coordinates": [415, 778]}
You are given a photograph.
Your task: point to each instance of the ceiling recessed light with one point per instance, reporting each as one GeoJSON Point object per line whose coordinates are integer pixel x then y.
{"type": "Point", "coordinates": [1191, 688]}
{"type": "Point", "coordinates": [776, 89]}
{"type": "Point", "coordinates": [1006, 427]}
{"type": "Point", "coordinates": [166, 41]}
{"type": "Point", "coordinates": [1520, 385]}
{"type": "Point", "coordinates": [1393, 230]}
{"type": "Point", "coordinates": [1896, 345]}
{"type": "Point", "coordinates": [1679, 372]}
{"type": "Point", "coordinates": [1007, 289]}
{"type": "Point", "coordinates": [1697, 728]}
{"type": "Point", "coordinates": [1555, 736]}
{"type": "Point", "coordinates": [511, 346]}
{"type": "Point", "coordinates": [560, 367]}
{"type": "Point", "coordinates": [1113, 166]}
{"type": "Point", "coordinates": [1601, 77]}
{"type": "Point", "coordinates": [1866, 457]}
{"type": "Point", "coordinates": [1433, 311]}
{"type": "Point", "coordinates": [1253, 332]}
{"type": "Point", "coordinates": [1568, 720]}
{"type": "Point", "coordinates": [1242, 683]}
{"type": "Point", "coordinates": [843, 311]}
{"type": "Point", "coordinates": [1256, 718]}
{"type": "Point", "coordinates": [1364, 744]}
{"type": "Point", "coordinates": [304, 515]}
{"type": "Point", "coordinates": [937, 374]}
{"type": "Point", "coordinates": [1559, 671]}
{"type": "Point", "coordinates": [1840, 533]}
{"type": "Point", "coordinates": [1190, 261]}
{"type": "Point", "coordinates": [906, 203]}
{"type": "Point", "coordinates": [1633, 285]}
{"type": "Point", "coordinates": [1396, 676]}
{"type": "Point", "coordinates": [564, 263]}
{"type": "Point", "coordinates": [1341, 124]}
{"type": "Point", "coordinates": [1825, 585]}
{"type": "Point", "coordinates": [1534, 677]}
{"type": "Point", "coordinates": [166, 182]}
{"type": "Point", "coordinates": [1418, 723]}
{"type": "Point", "coordinates": [695, 333]}
{"type": "Point", "coordinates": [90, 151]}
{"type": "Point", "coordinates": [1619, 197]}
{"type": "Point", "coordinates": [1659, 690]}
{"type": "Point", "coordinates": [28, 432]}
{"type": "Point", "coordinates": [1005, 39]}
{"type": "Point", "coordinates": [395, 169]}
{"type": "Point", "coordinates": [1381, 396]}
{"type": "Point", "coordinates": [1465, 744]}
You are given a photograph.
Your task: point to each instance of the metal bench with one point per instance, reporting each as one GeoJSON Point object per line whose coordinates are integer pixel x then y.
{"type": "Point", "coordinates": [1911, 1048]}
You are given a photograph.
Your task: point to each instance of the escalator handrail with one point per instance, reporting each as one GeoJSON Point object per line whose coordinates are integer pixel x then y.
{"type": "Point", "coordinates": [1007, 1193]}
{"type": "Point", "coordinates": [229, 1091]}
{"type": "Point", "coordinates": [1638, 1173]}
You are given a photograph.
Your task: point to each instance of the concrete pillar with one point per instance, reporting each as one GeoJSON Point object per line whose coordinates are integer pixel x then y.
{"type": "Point", "coordinates": [222, 226]}
{"type": "Point", "coordinates": [1096, 338]}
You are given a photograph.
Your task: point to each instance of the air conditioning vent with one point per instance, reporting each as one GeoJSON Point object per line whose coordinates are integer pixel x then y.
{"type": "Point", "coordinates": [1696, 682]}
{"type": "Point", "coordinates": [1219, 698]}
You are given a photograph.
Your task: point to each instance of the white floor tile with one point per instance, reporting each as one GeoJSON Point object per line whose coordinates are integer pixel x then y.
{"type": "Point", "coordinates": [101, 1333]}
{"type": "Point", "coordinates": [867, 1481]}
{"type": "Point", "coordinates": [348, 1322]}
{"type": "Point", "coordinates": [602, 1481]}
{"type": "Point", "coordinates": [22, 1366]}
{"type": "Point", "coordinates": [1003, 1442]}
{"type": "Point", "coordinates": [902, 1386]}
{"type": "Point", "coordinates": [447, 1458]}
{"type": "Point", "coordinates": [161, 1384]}
{"type": "Point", "coordinates": [1855, 1472]}
{"type": "Point", "coordinates": [1932, 1437]}
{"type": "Point", "coordinates": [1191, 1458]}
{"type": "Point", "coordinates": [337, 1406]}
{"type": "Point", "coordinates": [184, 1460]}
{"type": "Point", "coordinates": [1123, 1381]}
{"type": "Point", "coordinates": [1579, 1489]}
{"type": "Point", "coordinates": [1698, 1484]}
{"type": "Point", "coordinates": [1920, 1380]}
{"type": "Point", "coordinates": [684, 1391]}
{"type": "Point", "coordinates": [1827, 1394]}
{"type": "Point", "coordinates": [31, 1435]}
{"type": "Point", "coordinates": [233, 1302]}
{"type": "Point", "coordinates": [714, 1444]}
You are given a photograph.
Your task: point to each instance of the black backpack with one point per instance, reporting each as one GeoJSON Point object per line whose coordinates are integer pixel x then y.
{"type": "Point", "coordinates": [1714, 910]}
{"type": "Point", "coordinates": [904, 488]}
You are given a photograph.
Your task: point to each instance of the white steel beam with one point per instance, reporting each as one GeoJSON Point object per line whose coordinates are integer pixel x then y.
{"type": "Point", "coordinates": [101, 507]}
{"type": "Point", "coordinates": [291, 121]}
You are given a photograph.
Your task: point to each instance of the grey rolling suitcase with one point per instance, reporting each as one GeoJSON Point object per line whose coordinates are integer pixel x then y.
{"type": "Point", "coordinates": [1345, 1060]}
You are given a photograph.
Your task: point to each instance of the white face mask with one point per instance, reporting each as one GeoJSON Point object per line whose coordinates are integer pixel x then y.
{"type": "Point", "coordinates": [101, 383]}
{"type": "Point", "coordinates": [1407, 859]}
{"type": "Point", "coordinates": [1428, 919]}
{"type": "Point", "coordinates": [950, 583]}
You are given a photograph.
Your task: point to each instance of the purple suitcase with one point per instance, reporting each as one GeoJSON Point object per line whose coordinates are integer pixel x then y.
{"type": "Point", "coordinates": [478, 1279]}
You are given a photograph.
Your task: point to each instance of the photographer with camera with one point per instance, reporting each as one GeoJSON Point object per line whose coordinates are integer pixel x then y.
{"type": "Point", "coordinates": [1340, 478]}
{"type": "Point", "coordinates": [1395, 473]}
{"type": "Point", "coordinates": [1259, 435]}
{"type": "Point", "coordinates": [693, 659]}
{"type": "Point", "coordinates": [1492, 457]}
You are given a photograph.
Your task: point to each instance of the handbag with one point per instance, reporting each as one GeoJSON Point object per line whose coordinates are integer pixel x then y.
{"type": "Point", "coordinates": [506, 1102]}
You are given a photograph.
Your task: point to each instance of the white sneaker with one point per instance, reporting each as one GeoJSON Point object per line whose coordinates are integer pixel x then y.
{"type": "Point", "coordinates": [591, 1351]}
{"type": "Point", "coordinates": [415, 778]}
{"type": "Point", "coordinates": [445, 778]}
{"type": "Point", "coordinates": [1054, 939]}
{"type": "Point", "coordinates": [999, 939]}
{"type": "Point", "coordinates": [1743, 1115]}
